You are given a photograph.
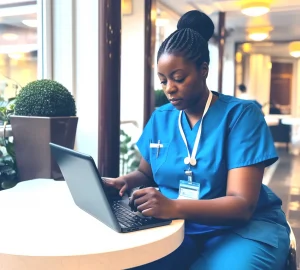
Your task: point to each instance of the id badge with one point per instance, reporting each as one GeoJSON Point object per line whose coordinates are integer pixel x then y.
{"type": "Point", "coordinates": [189, 190]}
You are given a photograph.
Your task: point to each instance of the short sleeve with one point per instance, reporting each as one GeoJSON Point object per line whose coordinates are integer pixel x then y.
{"type": "Point", "coordinates": [145, 139]}
{"type": "Point", "coordinates": [250, 140]}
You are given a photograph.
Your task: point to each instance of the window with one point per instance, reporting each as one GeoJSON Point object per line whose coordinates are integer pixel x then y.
{"type": "Point", "coordinates": [18, 45]}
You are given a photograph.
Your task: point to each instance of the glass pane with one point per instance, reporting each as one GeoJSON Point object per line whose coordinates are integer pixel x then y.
{"type": "Point", "coordinates": [18, 45]}
{"type": "Point", "coordinates": [18, 66]}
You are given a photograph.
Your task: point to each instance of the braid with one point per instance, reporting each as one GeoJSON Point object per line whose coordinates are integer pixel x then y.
{"type": "Point", "coordinates": [191, 39]}
{"type": "Point", "coordinates": [187, 43]}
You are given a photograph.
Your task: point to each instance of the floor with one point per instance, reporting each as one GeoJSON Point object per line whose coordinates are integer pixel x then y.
{"type": "Point", "coordinates": [284, 179]}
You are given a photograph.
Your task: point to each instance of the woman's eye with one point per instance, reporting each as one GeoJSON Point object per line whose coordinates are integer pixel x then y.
{"type": "Point", "coordinates": [163, 82]}
{"type": "Point", "coordinates": [179, 80]}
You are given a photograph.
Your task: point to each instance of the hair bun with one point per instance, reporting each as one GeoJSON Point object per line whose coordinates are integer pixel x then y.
{"type": "Point", "coordinates": [199, 22]}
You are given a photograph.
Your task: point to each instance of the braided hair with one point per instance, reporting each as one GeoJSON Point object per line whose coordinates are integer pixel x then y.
{"type": "Point", "coordinates": [190, 40]}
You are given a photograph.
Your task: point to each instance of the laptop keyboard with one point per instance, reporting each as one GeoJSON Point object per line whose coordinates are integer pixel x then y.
{"type": "Point", "coordinates": [128, 218]}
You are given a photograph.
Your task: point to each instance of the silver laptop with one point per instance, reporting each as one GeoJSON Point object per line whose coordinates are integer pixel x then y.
{"type": "Point", "coordinates": [91, 195]}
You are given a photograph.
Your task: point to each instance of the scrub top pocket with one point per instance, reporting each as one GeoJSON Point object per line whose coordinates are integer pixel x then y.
{"type": "Point", "coordinates": [158, 156]}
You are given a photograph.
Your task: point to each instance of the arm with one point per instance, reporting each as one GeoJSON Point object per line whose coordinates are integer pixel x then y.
{"type": "Point", "coordinates": [141, 177]}
{"type": "Point", "coordinates": [243, 188]}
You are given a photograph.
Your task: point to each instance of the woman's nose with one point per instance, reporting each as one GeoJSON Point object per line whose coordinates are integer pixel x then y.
{"type": "Point", "coordinates": [170, 88]}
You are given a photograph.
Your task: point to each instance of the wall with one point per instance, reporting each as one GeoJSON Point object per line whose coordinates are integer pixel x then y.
{"type": "Point", "coordinates": [259, 78]}
{"type": "Point", "coordinates": [296, 87]}
{"type": "Point", "coordinates": [229, 67]}
{"type": "Point", "coordinates": [212, 79]}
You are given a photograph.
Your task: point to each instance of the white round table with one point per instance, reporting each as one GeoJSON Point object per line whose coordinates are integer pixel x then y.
{"type": "Point", "coordinates": [271, 121]}
{"type": "Point", "coordinates": [293, 121]}
{"type": "Point", "coordinates": [43, 229]}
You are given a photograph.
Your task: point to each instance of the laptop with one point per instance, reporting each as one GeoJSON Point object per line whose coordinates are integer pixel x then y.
{"type": "Point", "coordinates": [91, 195]}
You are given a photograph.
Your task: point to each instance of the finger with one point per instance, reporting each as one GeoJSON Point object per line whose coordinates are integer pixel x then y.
{"type": "Point", "coordinates": [123, 190]}
{"type": "Point", "coordinates": [140, 193]}
{"type": "Point", "coordinates": [146, 209]}
{"type": "Point", "coordinates": [141, 200]}
{"type": "Point", "coordinates": [108, 181]}
{"type": "Point", "coordinates": [144, 206]}
{"type": "Point", "coordinates": [148, 212]}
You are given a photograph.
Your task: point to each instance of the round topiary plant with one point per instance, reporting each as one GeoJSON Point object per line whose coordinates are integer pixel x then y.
{"type": "Point", "coordinates": [45, 98]}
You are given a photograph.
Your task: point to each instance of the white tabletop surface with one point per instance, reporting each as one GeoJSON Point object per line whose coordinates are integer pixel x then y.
{"type": "Point", "coordinates": [42, 229]}
{"type": "Point", "coordinates": [291, 121]}
{"type": "Point", "coordinates": [272, 121]}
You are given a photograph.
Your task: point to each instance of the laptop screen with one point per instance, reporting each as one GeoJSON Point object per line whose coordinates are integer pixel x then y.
{"type": "Point", "coordinates": [85, 184]}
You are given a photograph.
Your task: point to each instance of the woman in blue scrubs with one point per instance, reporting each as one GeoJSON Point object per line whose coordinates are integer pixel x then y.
{"type": "Point", "coordinates": [207, 153]}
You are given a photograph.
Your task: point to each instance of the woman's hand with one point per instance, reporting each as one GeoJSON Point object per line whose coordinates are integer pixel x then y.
{"type": "Point", "coordinates": [150, 202]}
{"type": "Point", "coordinates": [119, 184]}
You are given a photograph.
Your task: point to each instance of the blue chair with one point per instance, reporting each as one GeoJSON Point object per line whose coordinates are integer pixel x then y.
{"type": "Point", "coordinates": [291, 263]}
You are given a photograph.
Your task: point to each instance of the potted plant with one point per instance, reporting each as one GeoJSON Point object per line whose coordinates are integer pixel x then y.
{"type": "Point", "coordinates": [129, 154]}
{"type": "Point", "coordinates": [44, 112]}
{"type": "Point", "coordinates": [8, 168]}
{"type": "Point", "coordinates": [160, 98]}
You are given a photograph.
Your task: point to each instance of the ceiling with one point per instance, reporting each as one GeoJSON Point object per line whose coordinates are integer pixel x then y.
{"type": "Point", "coordinates": [9, 2]}
{"type": "Point", "coordinates": [275, 50]}
{"type": "Point", "coordinates": [12, 12]}
{"type": "Point", "coordinates": [283, 17]}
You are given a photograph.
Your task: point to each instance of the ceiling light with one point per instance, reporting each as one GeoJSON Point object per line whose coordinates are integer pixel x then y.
{"type": "Point", "coordinates": [270, 65]}
{"type": "Point", "coordinates": [238, 57]}
{"type": "Point", "coordinates": [10, 36]}
{"type": "Point", "coordinates": [247, 47]}
{"type": "Point", "coordinates": [259, 33]}
{"type": "Point", "coordinates": [294, 48]}
{"type": "Point", "coordinates": [255, 8]}
{"type": "Point", "coordinates": [258, 36]}
{"type": "Point", "coordinates": [30, 23]}
{"type": "Point", "coordinates": [127, 7]}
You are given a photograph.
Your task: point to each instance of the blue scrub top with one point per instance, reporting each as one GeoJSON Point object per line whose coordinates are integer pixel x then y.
{"type": "Point", "coordinates": [234, 134]}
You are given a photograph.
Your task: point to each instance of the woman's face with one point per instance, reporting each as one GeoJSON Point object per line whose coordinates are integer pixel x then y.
{"type": "Point", "coordinates": [183, 83]}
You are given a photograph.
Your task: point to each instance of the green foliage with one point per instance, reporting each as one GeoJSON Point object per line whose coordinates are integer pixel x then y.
{"type": "Point", "coordinates": [6, 110]}
{"type": "Point", "coordinates": [160, 98]}
{"type": "Point", "coordinates": [8, 165]}
{"type": "Point", "coordinates": [129, 154]}
{"type": "Point", "coordinates": [45, 98]}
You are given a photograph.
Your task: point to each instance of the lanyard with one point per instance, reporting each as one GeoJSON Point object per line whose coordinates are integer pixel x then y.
{"type": "Point", "coordinates": [191, 159]}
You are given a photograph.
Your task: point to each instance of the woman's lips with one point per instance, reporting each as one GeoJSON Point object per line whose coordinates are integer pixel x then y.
{"type": "Point", "coordinates": [175, 101]}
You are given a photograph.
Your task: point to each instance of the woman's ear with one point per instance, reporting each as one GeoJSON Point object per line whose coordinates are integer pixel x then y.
{"type": "Point", "coordinates": [204, 69]}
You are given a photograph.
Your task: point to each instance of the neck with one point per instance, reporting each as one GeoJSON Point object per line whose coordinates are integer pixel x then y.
{"type": "Point", "coordinates": [196, 111]}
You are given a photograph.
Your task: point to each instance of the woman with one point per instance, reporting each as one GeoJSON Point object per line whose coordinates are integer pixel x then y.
{"type": "Point", "coordinates": [207, 153]}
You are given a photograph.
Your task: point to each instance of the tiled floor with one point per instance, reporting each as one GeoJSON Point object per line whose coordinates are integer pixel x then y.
{"type": "Point", "coordinates": [285, 182]}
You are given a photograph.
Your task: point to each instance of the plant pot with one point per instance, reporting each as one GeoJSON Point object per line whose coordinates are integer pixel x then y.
{"type": "Point", "coordinates": [32, 136]}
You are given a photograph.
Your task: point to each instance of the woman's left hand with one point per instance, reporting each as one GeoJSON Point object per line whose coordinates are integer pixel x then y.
{"type": "Point", "coordinates": [150, 202]}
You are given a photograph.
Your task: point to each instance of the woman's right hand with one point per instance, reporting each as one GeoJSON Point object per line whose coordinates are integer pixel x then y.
{"type": "Point", "coordinates": [119, 184]}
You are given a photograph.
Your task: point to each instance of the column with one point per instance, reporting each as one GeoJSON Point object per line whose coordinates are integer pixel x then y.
{"type": "Point", "coordinates": [221, 43]}
{"type": "Point", "coordinates": [109, 87]}
{"type": "Point", "coordinates": [150, 39]}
